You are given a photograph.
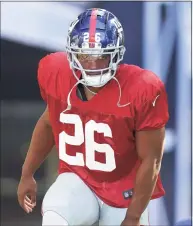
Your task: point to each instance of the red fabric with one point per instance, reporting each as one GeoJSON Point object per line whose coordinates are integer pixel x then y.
{"type": "Point", "coordinates": [152, 109]}
{"type": "Point", "coordinates": [139, 88]}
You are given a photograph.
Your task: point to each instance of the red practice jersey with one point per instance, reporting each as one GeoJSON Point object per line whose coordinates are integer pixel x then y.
{"type": "Point", "coordinates": [96, 138]}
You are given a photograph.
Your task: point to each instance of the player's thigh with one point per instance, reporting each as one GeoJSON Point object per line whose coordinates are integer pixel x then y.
{"type": "Point", "coordinates": [114, 216]}
{"type": "Point", "coordinates": [71, 198]}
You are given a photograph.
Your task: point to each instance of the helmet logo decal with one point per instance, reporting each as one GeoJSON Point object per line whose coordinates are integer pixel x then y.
{"type": "Point", "coordinates": [97, 37]}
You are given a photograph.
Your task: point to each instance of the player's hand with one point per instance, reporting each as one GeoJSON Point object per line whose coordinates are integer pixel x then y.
{"type": "Point", "coordinates": [27, 193]}
{"type": "Point", "coordinates": [130, 222]}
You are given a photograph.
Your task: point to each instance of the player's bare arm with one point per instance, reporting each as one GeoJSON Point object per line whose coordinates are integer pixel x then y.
{"type": "Point", "coordinates": [41, 144]}
{"type": "Point", "coordinates": [149, 146]}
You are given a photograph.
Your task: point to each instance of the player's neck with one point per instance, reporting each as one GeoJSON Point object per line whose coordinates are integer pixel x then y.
{"type": "Point", "coordinates": [90, 92]}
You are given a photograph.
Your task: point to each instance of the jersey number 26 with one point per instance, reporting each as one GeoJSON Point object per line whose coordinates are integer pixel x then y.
{"type": "Point", "coordinates": [91, 147]}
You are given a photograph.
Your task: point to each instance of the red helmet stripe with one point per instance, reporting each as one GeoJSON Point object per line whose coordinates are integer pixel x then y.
{"type": "Point", "coordinates": [92, 29]}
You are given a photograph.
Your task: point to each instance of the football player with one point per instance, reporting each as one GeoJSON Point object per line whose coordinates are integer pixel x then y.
{"type": "Point", "coordinates": [107, 121]}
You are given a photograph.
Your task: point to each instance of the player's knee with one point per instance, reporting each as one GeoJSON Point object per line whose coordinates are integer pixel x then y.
{"type": "Point", "coordinates": [51, 218]}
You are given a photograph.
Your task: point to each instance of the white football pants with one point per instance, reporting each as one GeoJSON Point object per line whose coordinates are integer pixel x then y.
{"type": "Point", "coordinates": [69, 201]}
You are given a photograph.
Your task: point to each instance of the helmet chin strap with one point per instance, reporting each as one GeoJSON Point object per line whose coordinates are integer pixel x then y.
{"type": "Point", "coordinates": [81, 81]}
{"type": "Point", "coordinates": [120, 93]}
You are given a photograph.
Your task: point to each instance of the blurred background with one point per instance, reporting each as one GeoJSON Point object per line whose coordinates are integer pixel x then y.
{"type": "Point", "coordinates": [157, 37]}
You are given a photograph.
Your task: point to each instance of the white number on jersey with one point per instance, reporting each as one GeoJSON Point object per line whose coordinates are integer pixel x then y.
{"type": "Point", "coordinates": [91, 147]}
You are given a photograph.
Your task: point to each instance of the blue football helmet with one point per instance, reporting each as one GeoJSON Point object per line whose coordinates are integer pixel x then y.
{"type": "Point", "coordinates": [98, 33]}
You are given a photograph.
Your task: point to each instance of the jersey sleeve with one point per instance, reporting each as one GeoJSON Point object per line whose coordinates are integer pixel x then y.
{"type": "Point", "coordinates": [43, 71]}
{"type": "Point", "coordinates": [52, 73]}
{"type": "Point", "coordinates": [152, 104]}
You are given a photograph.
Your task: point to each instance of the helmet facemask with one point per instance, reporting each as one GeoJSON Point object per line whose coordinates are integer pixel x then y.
{"type": "Point", "coordinates": [98, 77]}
